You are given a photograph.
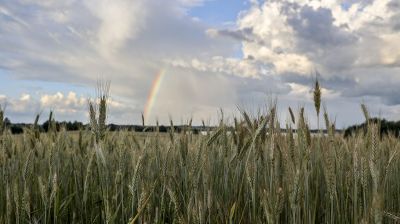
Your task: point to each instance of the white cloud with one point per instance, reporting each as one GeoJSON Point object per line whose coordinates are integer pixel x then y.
{"type": "Point", "coordinates": [306, 92]}
{"type": "Point", "coordinates": [25, 97]}
{"type": "Point", "coordinates": [17, 105]}
{"type": "Point", "coordinates": [119, 21]}
{"type": "Point", "coordinates": [299, 36]}
{"type": "Point", "coordinates": [61, 103]}
{"type": "Point", "coordinates": [11, 15]}
{"type": "Point", "coordinates": [50, 100]}
{"type": "Point", "coordinates": [275, 46]}
{"type": "Point", "coordinates": [66, 106]}
{"type": "Point", "coordinates": [212, 32]}
{"type": "Point", "coordinates": [246, 68]}
{"type": "Point", "coordinates": [341, 39]}
{"type": "Point", "coordinates": [60, 16]}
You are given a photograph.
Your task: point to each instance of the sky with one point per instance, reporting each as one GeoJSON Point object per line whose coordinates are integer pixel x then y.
{"type": "Point", "coordinates": [183, 59]}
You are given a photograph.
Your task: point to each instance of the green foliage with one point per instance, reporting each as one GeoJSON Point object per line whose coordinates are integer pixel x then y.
{"type": "Point", "coordinates": [385, 127]}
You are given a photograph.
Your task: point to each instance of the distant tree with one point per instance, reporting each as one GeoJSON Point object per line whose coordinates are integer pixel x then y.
{"type": "Point", "coordinates": [162, 128]}
{"type": "Point", "coordinates": [76, 126]}
{"type": "Point", "coordinates": [113, 127]}
{"type": "Point", "coordinates": [17, 128]}
{"type": "Point", "coordinates": [45, 126]}
{"type": "Point", "coordinates": [7, 122]}
{"type": "Point", "coordinates": [386, 127]}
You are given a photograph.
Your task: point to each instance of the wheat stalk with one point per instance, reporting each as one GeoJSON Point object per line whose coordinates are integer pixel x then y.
{"type": "Point", "coordinates": [317, 98]}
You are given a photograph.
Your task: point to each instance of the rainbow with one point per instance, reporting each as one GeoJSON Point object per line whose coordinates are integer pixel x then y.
{"type": "Point", "coordinates": [151, 98]}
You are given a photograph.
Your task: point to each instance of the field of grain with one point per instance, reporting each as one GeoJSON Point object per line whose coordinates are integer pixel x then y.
{"type": "Point", "coordinates": [245, 172]}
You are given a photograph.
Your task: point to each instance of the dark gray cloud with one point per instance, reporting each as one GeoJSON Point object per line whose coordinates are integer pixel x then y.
{"type": "Point", "coordinates": [393, 5]}
{"type": "Point", "coordinates": [240, 35]}
{"type": "Point", "coordinates": [314, 29]}
{"type": "Point", "coordinates": [324, 43]}
{"type": "Point", "coordinates": [337, 82]}
{"type": "Point", "coordinates": [353, 45]}
{"type": "Point", "coordinates": [381, 83]}
{"type": "Point", "coordinates": [279, 43]}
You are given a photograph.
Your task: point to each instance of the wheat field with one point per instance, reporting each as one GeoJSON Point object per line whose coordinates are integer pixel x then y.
{"type": "Point", "coordinates": [249, 171]}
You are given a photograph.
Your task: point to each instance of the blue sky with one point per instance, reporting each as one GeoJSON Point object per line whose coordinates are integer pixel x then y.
{"type": "Point", "coordinates": [220, 12]}
{"type": "Point", "coordinates": [215, 54]}
{"type": "Point", "coordinates": [15, 87]}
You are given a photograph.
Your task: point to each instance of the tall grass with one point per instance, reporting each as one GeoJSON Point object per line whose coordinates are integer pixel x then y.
{"type": "Point", "coordinates": [248, 172]}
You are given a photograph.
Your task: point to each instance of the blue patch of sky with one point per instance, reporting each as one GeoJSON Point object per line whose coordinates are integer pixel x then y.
{"type": "Point", "coordinates": [13, 87]}
{"type": "Point", "coordinates": [219, 12]}
{"type": "Point", "coordinates": [346, 5]}
{"type": "Point", "coordinates": [238, 51]}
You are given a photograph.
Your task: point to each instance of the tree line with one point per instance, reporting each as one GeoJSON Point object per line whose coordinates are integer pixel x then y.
{"type": "Point", "coordinates": [386, 127]}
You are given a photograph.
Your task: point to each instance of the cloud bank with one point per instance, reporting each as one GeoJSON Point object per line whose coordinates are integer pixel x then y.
{"type": "Point", "coordinates": [272, 49]}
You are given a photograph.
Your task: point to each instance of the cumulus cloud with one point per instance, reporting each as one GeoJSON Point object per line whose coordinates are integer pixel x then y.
{"type": "Point", "coordinates": [353, 41]}
{"type": "Point", "coordinates": [273, 47]}
{"type": "Point", "coordinates": [124, 41]}
{"type": "Point", "coordinates": [246, 68]}
{"type": "Point", "coordinates": [119, 21]}
{"type": "Point", "coordinates": [66, 106]}
{"type": "Point", "coordinates": [305, 91]}
{"type": "Point", "coordinates": [63, 104]}
{"type": "Point", "coordinates": [85, 40]}
{"type": "Point", "coordinates": [353, 44]}
{"type": "Point", "coordinates": [21, 107]}
{"type": "Point", "coordinates": [300, 36]}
